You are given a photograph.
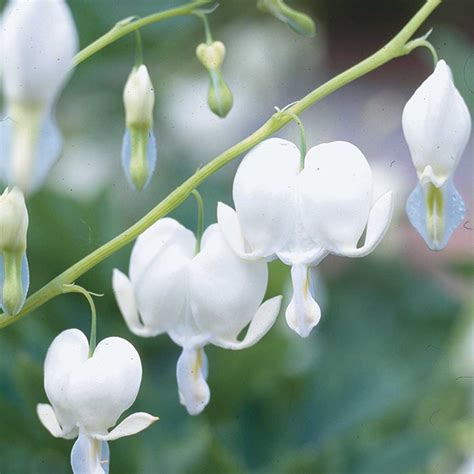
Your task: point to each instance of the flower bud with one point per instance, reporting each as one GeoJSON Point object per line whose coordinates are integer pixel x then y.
{"type": "Point", "coordinates": [37, 47]}
{"type": "Point", "coordinates": [297, 21]}
{"type": "Point", "coordinates": [437, 126]}
{"type": "Point", "coordinates": [139, 98]}
{"type": "Point", "coordinates": [139, 146]}
{"type": "Point", "coordinates": [14, 277]}
{"type": "Point", "coordinates": [220, 97]}
{"type": "Point", "coordinates": [211, 55]}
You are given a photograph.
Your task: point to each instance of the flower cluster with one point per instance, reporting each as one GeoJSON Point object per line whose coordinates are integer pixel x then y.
{"type": "Point", "coordinates": [291, 205]}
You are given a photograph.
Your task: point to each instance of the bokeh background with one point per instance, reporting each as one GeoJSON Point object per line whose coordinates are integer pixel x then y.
{"type": "Point", "coordinates": [385, 382]}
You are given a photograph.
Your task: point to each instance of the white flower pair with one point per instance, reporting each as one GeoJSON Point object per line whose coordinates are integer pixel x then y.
{"type": "Point", "coordinates": [210, 297]}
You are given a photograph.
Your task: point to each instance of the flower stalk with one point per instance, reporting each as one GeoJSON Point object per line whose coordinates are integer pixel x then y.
{"type": "Point", "coordinates": [395, 48]}
{"type": "Point", "coordinates": [133, 23]}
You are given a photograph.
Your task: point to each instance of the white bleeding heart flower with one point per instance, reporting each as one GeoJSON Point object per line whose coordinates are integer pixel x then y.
{"type": "Point", "coordinates": [301, 216]}
{"type": "Point", "coordinates": [38, 43]}
{"type": "Point", "coordinates": [89, 394]}
{"type": "Point", "coordinates": [437, 125]}
{"type": "Point", "coordinates": [14, 273]}
{"type": "Point", "coordinates": [139, 144]}
{"type": "Point", "coordinates": [198, 299]}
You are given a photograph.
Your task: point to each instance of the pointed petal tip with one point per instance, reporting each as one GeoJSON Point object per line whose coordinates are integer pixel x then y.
{"type": "Point", "coordinates": [260, 325]}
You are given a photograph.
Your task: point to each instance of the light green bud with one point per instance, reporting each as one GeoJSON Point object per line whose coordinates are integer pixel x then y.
{"type": "Point", "coordinates": [220, 97]}
{"type": "Point", "coordinates": [13, 230]}
{"type": "Point", "coordinates": [297, 21]}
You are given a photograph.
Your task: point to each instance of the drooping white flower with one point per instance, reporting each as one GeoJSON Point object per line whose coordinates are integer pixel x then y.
{"type": "Point", "coordinates": [139, 144]}
{"type": "Point", "coordinates": [38, 43]}
{"type": "Point", "coordinates": [198, 299]}
{"type": "Point", "coordinates": [89, 394]}
{"type": "Point", "coordinates": [14, 274]}
{"type": "Point", "coordinates": [437, 124]}
{"type": "Point", "coordinates": [302, 216]}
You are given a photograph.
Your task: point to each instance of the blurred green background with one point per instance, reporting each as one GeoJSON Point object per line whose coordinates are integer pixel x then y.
{"type": "Point", "coordinates": [385, 382]}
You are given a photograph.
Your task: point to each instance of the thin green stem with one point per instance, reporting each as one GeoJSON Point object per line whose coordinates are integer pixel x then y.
{"type": "Point", "coordinates": [128, 25]}
{"type": "Point", "coordinates": [139, 49]}
{"type": "Point", "coordinates": [393, 49]}
{"type": "Point", "coordinates": [200, 219]}
{"type": "Point", "coordinates": [207, 27]}
{"type": "Point", "coordinates": [72, 288]}
{"type": "Point", "coordinates": [303, 147]}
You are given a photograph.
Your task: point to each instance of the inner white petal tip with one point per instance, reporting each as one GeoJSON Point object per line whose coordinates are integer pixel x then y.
{"type": "Point", "coordinates": [303, 322]}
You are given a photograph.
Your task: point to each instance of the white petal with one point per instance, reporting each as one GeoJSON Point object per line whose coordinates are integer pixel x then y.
{"type": "Point", "coordinates": [191, 373]}
{"type": "Point", "coordinates": [377, 226]}
{"type": "Point", "coordinates": [160, 289]}
{"type": "Point", "coordinates": [90, 456]}
{"type": "Point", "coordinates": [336, 194]}
{"type": "Point", "coordinates": [131, 425]}
{"type": "Point", "coordinates": [437, 124]}
{"type": "Point", "coordinates": [262, 194]}
{"type": "Point", "coordinates": [225, 290]}
{"type": "Point", "coordinates": [303, 313]}
{"type": "Point", "coordinates": [230, 227]}
{"type": "Point", "coordinates": [105, 385]}
{"type": "Point", "coordinates": [125, 297]}
{"type": "Point", "coordinates": [48, 418]}
{"type": "Point", "coordinates": [164, 232]}
{"type": "Point", "coordinates": [39, 41]}
{"type": "Point", "coordinates": [67, 352]}
{"type": "Point", "coordinates": [261, 323]}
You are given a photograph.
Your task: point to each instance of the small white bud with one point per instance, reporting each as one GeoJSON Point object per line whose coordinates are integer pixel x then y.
{"type": "Point", "coordinates": [211, 55]}
{"type": "Point", "coordinates": [13, 221]}
{"type": "Point", "coordinates": [14, 274]}
{"type": "Point", "coordinates": [139, 98]}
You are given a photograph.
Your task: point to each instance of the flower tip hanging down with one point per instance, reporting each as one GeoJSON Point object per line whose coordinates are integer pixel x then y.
{"type": "Point", "coordinates": [302, 215]}
{"type": "Point", "coordinates": [14, 273]}
{"type": "Point", "coordinates": [89, 394]}
{"type": "Point", "coordinates": [38, 43]}
{"type": "Point", "coordinates": [437, 125]}
{"type": "Point", "coordinates": [139, 144]}
{"type": "Point", "coordinates": [200, 298]}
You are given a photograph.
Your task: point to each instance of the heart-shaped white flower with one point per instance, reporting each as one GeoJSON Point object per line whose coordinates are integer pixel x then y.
{"type": "Point", "coordinates": [301, 216]}
{"type": "Point", "coordinates": [208, 297]}
{"type": "Point", "coordinates": [89, 394]}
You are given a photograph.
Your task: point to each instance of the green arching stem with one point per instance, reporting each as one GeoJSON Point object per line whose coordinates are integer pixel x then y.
{"type": "Point", "coordinates": [131, 24]}
{"type": "Point", "coordinates": [200, 219]}
{"type": "Point", "coordinates": [302, 138]}
{"type": "Point", "coordinates": [139, 49]}
{"type": "Point", "coordinates": [72, 288]}
{"type": "Point", "coordinates": [393, 49]}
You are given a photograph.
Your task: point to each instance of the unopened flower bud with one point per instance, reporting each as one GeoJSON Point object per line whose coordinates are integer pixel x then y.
{"type": "Point", "coordinates": [139, 146]}
{"type": "Point", "coordinates": [211, 55]}
{"type": "Point", "coordinates": [297, 21]}
{"type": "Point", "coordinates": [220, 97]}
{"type": "Point", "coordinates": [14, 276]}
